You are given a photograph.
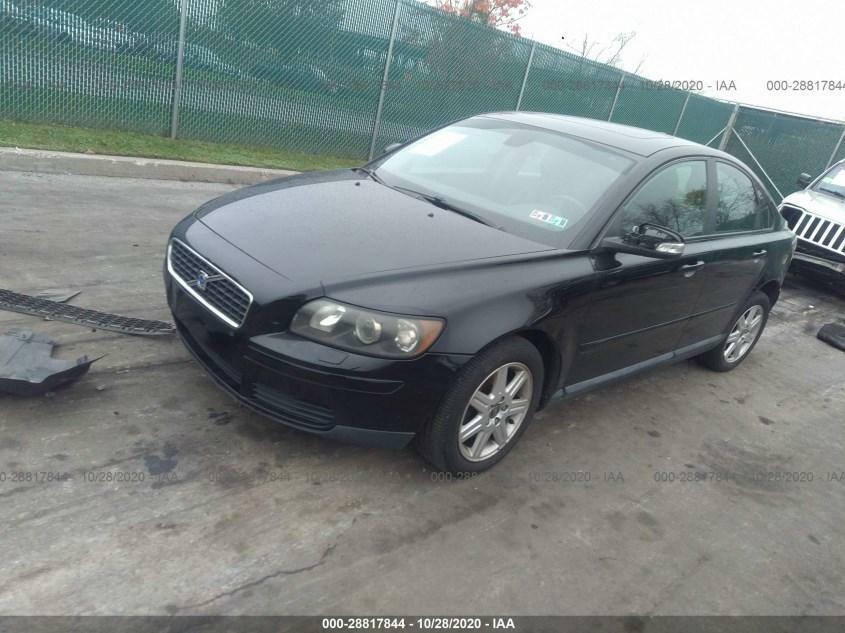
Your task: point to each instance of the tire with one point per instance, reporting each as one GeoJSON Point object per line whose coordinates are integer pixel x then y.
{"type": "Point", "coordinates": [439, 442]}
{"type": "Point", "coordinates": [722, 357]}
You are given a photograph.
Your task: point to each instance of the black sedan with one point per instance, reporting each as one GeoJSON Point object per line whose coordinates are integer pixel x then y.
{"type": "Point", "coordinates": [449, 289]}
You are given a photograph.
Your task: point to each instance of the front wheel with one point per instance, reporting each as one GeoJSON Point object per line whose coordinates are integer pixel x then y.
{"type": "Point", "coordinates": [486, 411]}
{"type": "Point", "coordinates": [742, 337]}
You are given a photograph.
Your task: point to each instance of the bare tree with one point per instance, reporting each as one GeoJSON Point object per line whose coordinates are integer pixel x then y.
{"type": "Point", "coordinates": [610, 53]}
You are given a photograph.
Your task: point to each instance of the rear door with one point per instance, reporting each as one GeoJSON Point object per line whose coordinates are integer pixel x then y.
{"type": "Point", "coordinates": [738, 233]}
{"type": "Point", "coordinates": [640, 307]}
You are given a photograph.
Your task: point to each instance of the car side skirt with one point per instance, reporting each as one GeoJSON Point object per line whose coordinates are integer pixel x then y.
{"type": "Point", "coordinates": [680, 354]}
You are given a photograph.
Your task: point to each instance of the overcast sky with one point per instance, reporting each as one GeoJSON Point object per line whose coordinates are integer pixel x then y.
{"type": "Point", "coordinates": [714, 40]}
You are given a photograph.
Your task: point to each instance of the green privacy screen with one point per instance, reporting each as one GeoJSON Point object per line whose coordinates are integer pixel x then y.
{"type": "Point", "coordinates": [446, 68]}
{"type": "Point", "coordinates": [293, 73]}
{"type": "Point", "coordinates": [567, 84]}
{"type": "Point", "coordinates": [307, 75]}
{"type": "Point", "coordinates": [84, 63]}
{"type": "Point", "coordinates": [784, 146]}
{"type": "Point", "coordinates": [647, 104]}
{"type": "Point", "coordinates": [840, 154]}
{"type": "Point", "coordinates": [704, 119]}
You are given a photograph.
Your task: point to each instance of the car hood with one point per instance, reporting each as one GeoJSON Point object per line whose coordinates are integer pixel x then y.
{"type": "Point", "coordinates": [822, 204]}
{"type": "Point", "coordinates": [328, 226]}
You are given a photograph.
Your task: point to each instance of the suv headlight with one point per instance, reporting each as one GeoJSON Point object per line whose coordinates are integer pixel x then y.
{"type": "Point", "coordinates": [365, 331]}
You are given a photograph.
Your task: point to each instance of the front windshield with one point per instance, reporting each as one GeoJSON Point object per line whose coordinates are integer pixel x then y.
{"type": "Point", "coordinates": [833, 182]}
{"type": "Point", "coordinates": [529, 181]}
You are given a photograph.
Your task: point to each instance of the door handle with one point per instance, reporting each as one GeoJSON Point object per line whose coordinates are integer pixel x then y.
{"type": "Point", "coordinates": [760, 253]}
{"type": "Point", "coordinates": [691, 269]}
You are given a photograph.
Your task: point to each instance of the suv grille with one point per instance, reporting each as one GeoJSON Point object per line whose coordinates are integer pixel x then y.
{"type": "Point", "coordinates": [221, 294]}
{"type": "Point", "coordinates": [815, 229]}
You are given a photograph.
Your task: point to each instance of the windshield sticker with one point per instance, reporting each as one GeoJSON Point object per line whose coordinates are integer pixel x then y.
{"type": "Point", "coordinates": [436, 143]}
{"type": "Point", "coordinates": [838, 178]}
{"type": "Point", "coordinates": [556, 221]}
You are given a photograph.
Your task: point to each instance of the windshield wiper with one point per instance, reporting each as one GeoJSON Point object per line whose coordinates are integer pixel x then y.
{"type": "Point", "coordinates": [369, 172]}
{"type": "Point", "coordinates": [439, 202]}
{"type": "Point", "coordinates": [838, 194]}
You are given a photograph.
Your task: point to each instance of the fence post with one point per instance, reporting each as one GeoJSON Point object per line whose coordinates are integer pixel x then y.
{"type": "Point", "coordinates": [729, 128]}
{"type": "Point", "coordinates": [525, 76]}
{"type": "Point", "coordinates": [616, 97]}
{"type": "Point", "coordinates": [180, 59]}
{"type": "Point", "coordinates": [387, 62]}
{"type": "Point", "coordinates": [836, 149]}
{"type": "Point", "coordinates": [681, 115]}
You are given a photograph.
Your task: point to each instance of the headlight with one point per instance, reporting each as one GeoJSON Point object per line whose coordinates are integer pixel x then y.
{"type": "Point", "coordinates": [365, 331]}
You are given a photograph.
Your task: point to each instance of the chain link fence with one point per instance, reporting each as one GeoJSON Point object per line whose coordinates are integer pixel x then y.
{"type": "Point", "coordinates": [80, 64]}
{"type": "Point", "coordinates": [343, 77]}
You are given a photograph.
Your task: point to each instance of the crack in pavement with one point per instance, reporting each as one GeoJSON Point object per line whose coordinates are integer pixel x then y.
{"type": "Point", "coordinates": [284, 572]}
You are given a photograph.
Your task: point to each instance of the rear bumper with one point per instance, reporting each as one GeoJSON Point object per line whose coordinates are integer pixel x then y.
{"type": "Point", "coordinates": [311, 387]}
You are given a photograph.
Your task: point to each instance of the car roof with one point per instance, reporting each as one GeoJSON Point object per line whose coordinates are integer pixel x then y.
{"type": "Point", "coordinates": [625, 137]}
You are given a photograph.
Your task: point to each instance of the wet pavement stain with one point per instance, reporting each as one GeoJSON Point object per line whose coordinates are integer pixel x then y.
{"type": "Point", "coordinates": [750, 469]}
{"type": "Point", "coordinates": [160, 465]}
{"type": "Point", "coordinates": [10, 444]}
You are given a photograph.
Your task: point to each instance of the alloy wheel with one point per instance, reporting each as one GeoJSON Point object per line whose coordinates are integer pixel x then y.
{"type": "Point", "coordinates": [495, 412]}
{"type": "Point", "coordinates": [743, 334]}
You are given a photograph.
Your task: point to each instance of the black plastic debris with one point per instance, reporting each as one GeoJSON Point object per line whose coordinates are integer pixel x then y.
{"type": "Point", "coordinates": [25, 304]}
{"type": "Point", "coordinates": [833, 334]}
{"type": "Point", "coordinates": [27, 366]}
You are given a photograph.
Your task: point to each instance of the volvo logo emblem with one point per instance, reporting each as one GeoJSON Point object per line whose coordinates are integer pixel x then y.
{"type": "Point", "coordinates": [202, 280]}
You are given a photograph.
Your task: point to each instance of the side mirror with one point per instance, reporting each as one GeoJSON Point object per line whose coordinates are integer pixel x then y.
{"type": "Point", "coordinates": [804, 180]}
{"type": "Point", "coordinates": [647, 240]}
{"type": "Point", "coordinates": [391, 147]}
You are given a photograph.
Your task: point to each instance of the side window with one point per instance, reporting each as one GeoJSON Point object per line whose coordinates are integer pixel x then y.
{"type": "Point", "coordinates": [740, 207]}
{"type": "Point", "coordinates": [675, 197]}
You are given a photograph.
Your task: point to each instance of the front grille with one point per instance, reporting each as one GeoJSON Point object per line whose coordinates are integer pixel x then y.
{"type": "Point", "coordinates": [815, 229]}
{"type": "Point", "coordinates": [292, 409]}
{"type": "Point", "coordinates": [222, 295]}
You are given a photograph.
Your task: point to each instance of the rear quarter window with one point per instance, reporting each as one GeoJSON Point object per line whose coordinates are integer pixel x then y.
{"type": "Point", "coordinates": [740, 206]}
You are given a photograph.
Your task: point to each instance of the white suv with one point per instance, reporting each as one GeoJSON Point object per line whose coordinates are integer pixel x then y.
{"type": "Point", "coordinates": [817, 217]}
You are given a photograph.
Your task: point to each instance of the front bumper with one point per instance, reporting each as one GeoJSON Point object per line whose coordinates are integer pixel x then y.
{"type": "Point", "coordinates": [311, 387]}
{"type": "Point", "coordinates": [815, 259]}
{"type": "Point", "coordinates": [819, 262]}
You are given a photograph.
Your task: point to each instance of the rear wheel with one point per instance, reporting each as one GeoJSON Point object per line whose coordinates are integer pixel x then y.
{"type": "Point", "coordinates": [486, 411]}
{"type": "Point", "coordinates": [742, 337]}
